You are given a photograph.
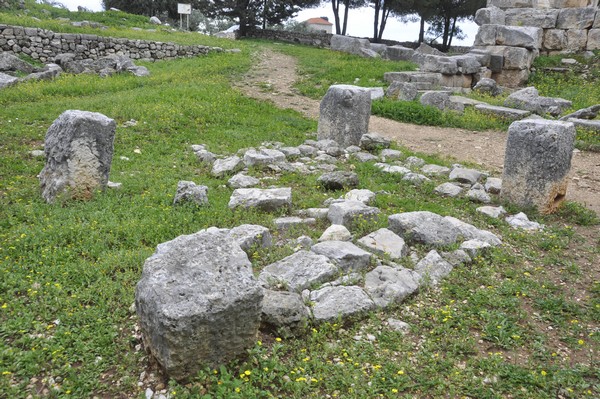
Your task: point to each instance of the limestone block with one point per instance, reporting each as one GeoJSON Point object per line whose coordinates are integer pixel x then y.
{"type": "Point", "coordinates": [423, 227]}
{"type": "Point", "coordinates": [536, 17]}
{"type": "Point", "coordinates": [596, 23]}
{"type": "Point", "coordinates": [298, 271]}
{"type": "Point", "coordinates": [399, 53]}
{"type": "Point", "coordinates": [331, 303]}
{"type": "Point", "coordinates": [437, 99]}
{"type": "Point", "coordinates": [388, 285]}
{"type": "Point", "coordinates": [486, 35]}
{"type": "Point", "coordinates": [344, 114]}
{"type": "Point", "coordinates": [198, 303]}
{"type": "Point", "coordinates": [7, 80]}
{"type": "Point", "coordinates": [188, 191]}
{"type": "Point", "coordinates": [506, 4]}
{"type": "Point", "coordinates": [79, 151]}
{"type": "Point", "coordinates": [554, 39]}
{"type": "Point", "coordinates": [576, 40]}
{"type": "Point", "coordinates": [463, 81]}
{"type": "Point", "coordinates": [349, 44]}
{"type": "Point", "coordinates": [537, 162]}
{"type": "Point", "coordinates": [519, 36]}
{"type": "Point", "coordinates": [402, 91]}
{"type": "Point", "coordinates": [511, 78]}
{"type": "Point", "coordinates": [467, 64]}
{"type": "Point", "coordinates": [593, 42]}
{"type": "Point", "coordinates": [436, 63]}
{"type": "Point", "coordinates": [576, 18]}
{"type": "Point", "coordinates": [489, 16]}
{"type": "Point", "coordinates": [566, 3]}
{"type": "Point", "coordinates": [283, 310]}
{"type": "Point", "coordinates": [270, 199]}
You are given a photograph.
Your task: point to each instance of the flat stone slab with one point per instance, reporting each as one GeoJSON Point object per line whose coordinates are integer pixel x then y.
{"type": "Point", "coordinates": [344, 254]}
{"type": "Point", "coordinates": [388, 285]}
{"type": "Point", "coordinates": [470, 232]}
{"type": "Point", "coordinates": [521, 221]}
{"type": "Point", "coordinates": [466, 102]}
{"type": "Point", "coordinates": [331, 303]}
{"type": "Point", "coordinates": [586, 124]}
{"type": "Point", "coordinates": [492, 211]}
{"type": "Point", "coordinates": [465, 175]}
{"type": "Point", "coordinates": [243, 181]}
{"type": "Point", "coordinates": [287, 222]}
{"type": "Point", "coordinates": [336, 232]}
{"type": "Point", "coordinates": [222, 167]}
{"type": "Point", "coordinates": [348, 212]}
{"type": "Point", "coordinates": [384, 167]}
{"type": "Point", "coordinates": [448, 189]}
{"type": "Point", "coordinates": [299, 271]}
{"type": "Point", "coordinates": [270, 199]}
{"type": "Point", "coordinates": [423, 227]}
{"type": "Point", "coordinates": [263, 157]}
{"type": "Point", "coordinates": [362, 195]}
{"type": "Point", "coordinates": [503, 112]}
{"type": "Point", "coordinates": [435, 170]}
{"type": "Point", "coordinates": [385, 242]}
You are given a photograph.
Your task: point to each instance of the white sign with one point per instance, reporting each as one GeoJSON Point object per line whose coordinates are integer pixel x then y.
{"type": "Point", "coordinates": [184, 8]}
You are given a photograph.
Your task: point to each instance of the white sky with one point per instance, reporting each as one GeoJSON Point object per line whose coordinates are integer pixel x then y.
{"type": "Point", "coordinates": [360, 22]}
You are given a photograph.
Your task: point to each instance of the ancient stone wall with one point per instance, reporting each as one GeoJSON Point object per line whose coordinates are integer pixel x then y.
{"type": "Point", "coordinates": [568, 26]}
{"type": "Point", "coordinates": [45, 45]}
{"type": "Point", "coordinates": [310, 39]}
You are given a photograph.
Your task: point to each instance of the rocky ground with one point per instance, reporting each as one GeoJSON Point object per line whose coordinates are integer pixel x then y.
{"type": "Point", "coordinates": [273, 77]}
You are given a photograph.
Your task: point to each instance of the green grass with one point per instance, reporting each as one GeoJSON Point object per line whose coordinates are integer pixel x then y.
{"type": "Point", "coordinates": [69, 269]}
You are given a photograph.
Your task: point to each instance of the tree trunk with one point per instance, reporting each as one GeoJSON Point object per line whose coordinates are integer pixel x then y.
{"type": "Point", "coordinates": [452, 32]}
{"type": "Point", "coordinates": [422, 30]}
{"type": "Point", "coordinates": [335, 6]}
{"type": "Point", "coordinates": [446, 34]}
{"type": "Point", "coordinates": [377, 4]}
{"type": "Point", "coordinates": [346, 8]}
{"type": "Point", "coordinates": [384, 17]}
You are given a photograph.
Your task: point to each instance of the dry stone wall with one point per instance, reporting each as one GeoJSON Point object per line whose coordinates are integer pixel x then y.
{"type": "Point", "coordinates": [45, 45]}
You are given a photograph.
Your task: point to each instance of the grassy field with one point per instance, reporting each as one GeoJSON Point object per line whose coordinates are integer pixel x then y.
{"type": "Point", "coordinates": [521, 322]}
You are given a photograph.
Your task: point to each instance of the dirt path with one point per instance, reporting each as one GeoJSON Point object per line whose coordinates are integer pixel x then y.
{"type": "Point", "coordinates": [272, 79]}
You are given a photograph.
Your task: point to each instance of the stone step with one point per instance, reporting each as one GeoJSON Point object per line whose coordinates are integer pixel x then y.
{"type": "Point", "coordinates": [503, 112]}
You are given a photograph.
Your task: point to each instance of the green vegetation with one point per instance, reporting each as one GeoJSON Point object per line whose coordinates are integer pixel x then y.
{"type": "Point", "coordinates": [521, 321]}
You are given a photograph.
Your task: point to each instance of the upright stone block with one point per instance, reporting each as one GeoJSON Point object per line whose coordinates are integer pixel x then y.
{"type": "Point", "coordinates": [490, 15]}
{"type": "Point", "coordinates": [79, 151]}
{"type": "Point", "coordinates": [576, 18]}
{"type": "Point", "coordinates": [576, 40]}
{"type": "Point", "coordinates": [344, 114]}
{"type": "Point", "coordinates": [554, 39]}
{"type": "Point", "coordinates": [520, 36]}
{"type": "Point", "coordinates": [198, 303]}
{"type": "Point", "coordinates": [537, 162]}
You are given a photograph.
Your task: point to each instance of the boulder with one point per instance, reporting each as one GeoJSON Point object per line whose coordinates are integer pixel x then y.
{"type": "Point", "coordinates": [373, 142]}
{"type": "Point", "coordinates": [225, 166]}
{"type": "Point", "coordinates": [348, 213]}
{"type": "Point", "coordinates": [347, 256]}
{"type": "Point", "coordinates": [79, 151]}
{"type": "Point", "coordinates": [49, 72]}
{"type": "Point", "coordinates": [263, 157]}
{"type": "Point", "coordinates": [361, 195]}
{"type": "Point", "coordinates": [188, 191]}
{"type": "Point", "coordinates": [521, 221]}
{"type": "Point", "coordinates": [390, 155]}
{"type": "Point", "coordinates": [336, 232]}
{"type": "Point", "coordinates": [477, 193]}
{"type": "Point", "coordinates": [448, 190]}
{"type": "Point", "coordinates": [528, 99]}
{"type": "Point", "coordinates": [349, 44]}
{"type": "Point", "coordinates": [7, 80]}
{"type": "Point", "coordinates": [338, 180]}
{"type": "Point", "coordinates": [198, 303]}
{"type": "Point", "coordinates": [486, 35]}
{"type": "Point", "coordinates": [536, 163]}
{"type": "Point", "coordinates": [423, 227]}
{"type": "Point", "coordinates": [270, 199]}
{"type": "Point", "coordinates": [399, 53]}
{"type": "Point", "coordinates": [284, 311]}
{"type": "Point", "coordinates": [242, 181]}
{"type": "Point", "coordinates": [437, 99]}
{"type": "Point", "coordinates": [465, 175]}
{"type": "Point", "coordinates": [436, 63]}
{"type": "Point", "coordinates": [467, 64]}
{"type": "Point", "coordinates": [12, 63]}
{"type": "Point", "coordinates": [155, 21]}
{"type": "Point", "coordinates": [385, 242]}
{"type": "Point", "coordinates": [388, 285]}
{"type": "Point", "coordinates": [474, 247]}
{"type": "Point", "coordinates": [492, 211]}
{"type": "Point", "coordinates": [251, 236]}
{"type": "Point", "coordinates": [488, 86]}
{"type": "Point", "coordinates": [470, 232]}
{"type": "Point", "coordinates": [331, 303]}
{"type": "Point", "coordinates": [493, 185]}
{"type": "Point", "coordinates": [344, 114]}
{"type": "Point", "coordinates": [298, 271]}
{"type": "Point", "coordinates": [433, 268]}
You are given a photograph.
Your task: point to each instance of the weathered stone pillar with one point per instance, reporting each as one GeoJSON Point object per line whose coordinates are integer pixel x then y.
{"type": "Point", "coordinates": [198, 303]}
{"type": "Point", "coordinates": [344, 114]}
{"type": "Point", "coordinates": [79, 151]}
{"type": "Point", "coordinates": [537, 162]}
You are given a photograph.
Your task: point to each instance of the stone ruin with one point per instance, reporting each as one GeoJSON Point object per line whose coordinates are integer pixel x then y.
{"type": "Point", "coordinates": [519, 30]}
{"type": "Point", "coordinates": [79, 151]}
{"type": "Point", "coordinates": [511, 35]}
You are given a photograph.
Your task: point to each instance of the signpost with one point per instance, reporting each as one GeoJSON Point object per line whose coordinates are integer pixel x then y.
{"type": "Point", "coordinates": [184, 9]}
